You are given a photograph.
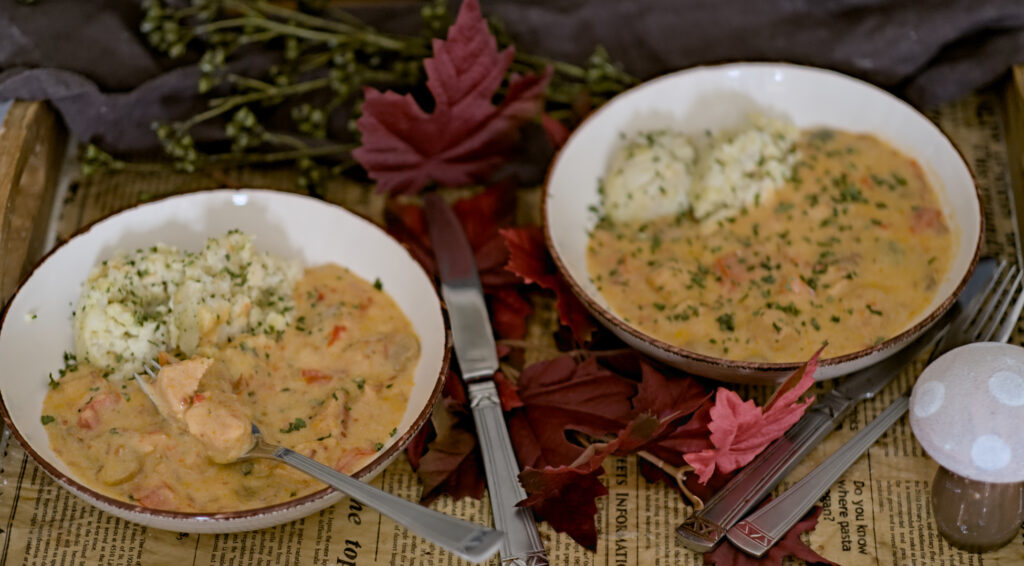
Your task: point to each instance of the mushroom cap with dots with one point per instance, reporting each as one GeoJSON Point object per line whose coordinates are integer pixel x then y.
{"type": "Point", "coordinates": [967, 411]}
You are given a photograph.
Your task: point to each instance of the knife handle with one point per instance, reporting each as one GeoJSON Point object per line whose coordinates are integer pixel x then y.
{"type": "Point", "coordinates": [522, 545]}
{"type": "Point", "coordinates": [757, 533]}
{"type": "Point", "coordinates": [706, 528]}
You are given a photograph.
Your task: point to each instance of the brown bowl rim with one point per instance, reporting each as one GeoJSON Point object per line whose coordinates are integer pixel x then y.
{"type": "Point", "coordinates": [229, 516]}
{"type": "Point", "coordinates": [741, 367]}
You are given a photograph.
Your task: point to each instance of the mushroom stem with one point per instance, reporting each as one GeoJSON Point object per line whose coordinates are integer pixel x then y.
{"type": "Point", "coordinates": [973, 515]}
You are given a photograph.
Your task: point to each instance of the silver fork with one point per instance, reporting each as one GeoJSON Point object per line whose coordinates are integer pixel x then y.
{"type": "Point", "coordinates": [468, 540]}
{"type": "Point", "coordinates": [990, 317]}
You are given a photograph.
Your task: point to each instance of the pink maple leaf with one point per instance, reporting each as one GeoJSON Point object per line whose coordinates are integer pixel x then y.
{"type": "Point", "coordinates": [740, 430]}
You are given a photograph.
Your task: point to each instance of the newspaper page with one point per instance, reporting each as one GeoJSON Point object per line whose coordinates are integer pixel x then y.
{"type": "Point", "coordinates": [878, 513]}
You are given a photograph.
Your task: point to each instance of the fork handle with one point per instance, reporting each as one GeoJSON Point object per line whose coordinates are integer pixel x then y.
{"type": "Point", "coordinates": [763, 528]}
{"type": "Point", "coordinates": [706, 528]}
{"type": "Point", "coordinates": [468, 540]}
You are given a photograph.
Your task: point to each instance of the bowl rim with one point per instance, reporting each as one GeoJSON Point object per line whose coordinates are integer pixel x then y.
{"type": "Point", "coordinates": [741, 366]}
{"type": "Point", "coordinates": [377, 463]}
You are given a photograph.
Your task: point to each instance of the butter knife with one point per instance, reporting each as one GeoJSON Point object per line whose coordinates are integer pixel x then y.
{"type": "Point", "coordinates": [478, 359]}
{"type": "Point", "coordinates": [708, 526]}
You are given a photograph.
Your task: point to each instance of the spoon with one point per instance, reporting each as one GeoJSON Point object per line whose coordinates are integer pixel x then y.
{"type": "Point", "coordinates": [468, 540]}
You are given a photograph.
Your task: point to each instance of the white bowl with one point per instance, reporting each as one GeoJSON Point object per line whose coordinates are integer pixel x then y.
{"type": "Point", "coordinates": [36, 328]}
{"type": "Point", "coordinates": [722, 96]}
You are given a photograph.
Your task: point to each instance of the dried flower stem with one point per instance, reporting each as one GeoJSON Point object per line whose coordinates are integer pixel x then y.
{"type": "Point", "coordinates": [678, 473]}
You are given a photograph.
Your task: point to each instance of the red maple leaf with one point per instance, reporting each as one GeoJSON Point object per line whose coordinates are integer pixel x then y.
{"type": "Point", "coordinates": [466, 137]}
{"type": "Point", "coordinates": [444, 452]}
{"type": "Point", "coordinates": [566, 497]}
{"type": "Point", "coordinates": [556, 132]}
{"type": "Point", "coordinates": [668, 397]}
{"type": "Point", "coordinates": [691, 436]}
{"type": "Point", "coordinates": [741, 430]}
{"type": "Point", "coordinates": [564, 494]}
{"type": "Point", "coordinates": [791, 545]}
{"type": "Point", "coordinates": [529, 259]}
{"type": "Point", "coordinates": [481, 216]}
{"type": "Point", "coordinates": [659, 407]}
{"type": "Point", "coordinates": [560, 395]}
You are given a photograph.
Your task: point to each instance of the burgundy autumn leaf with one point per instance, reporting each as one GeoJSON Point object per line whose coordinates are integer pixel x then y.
{"type": "Point", "coordinates": [450, 464]}
{"type": "Point", "coordinates": [740, 430]}
{"type": "Point", "coordinates": [560, 395]}
{"type": "Point", "coordinates": [481, 216]}
{"type": "Point", "coordinates": [667, 396]}
{"type": "Point", "coordinates": [554, 130]}
{"type": "Point", "coordinates": [444, 452]}
{"type": "Point", "coordinates": [507, 393]}
{"type": "Point", "coordinates": [660, 407]}
{"type": "Point", "coordinates": [791, 545]}
{"type": "Point", "coordinates": [509, 311]}
{"type": "Point", "coordinates": [466, 136]}
{"type": "Point", "coordinates": [529, 259]}
{"type": "Point", "coordinates": [566, 497]}
{"type": "Point", "coordinates": [691, 436]}
{"type": "Point", "coordinates": [551, 393]}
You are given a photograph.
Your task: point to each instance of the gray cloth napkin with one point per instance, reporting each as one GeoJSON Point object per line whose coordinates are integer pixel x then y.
{"type": "Point", "coordinates": [89, 60]}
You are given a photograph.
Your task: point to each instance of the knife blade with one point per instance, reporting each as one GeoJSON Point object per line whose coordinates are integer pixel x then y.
{"type": "Point", "coordinates": [476, 351]}
{"type": "Point", "coordinates": [703, 530]}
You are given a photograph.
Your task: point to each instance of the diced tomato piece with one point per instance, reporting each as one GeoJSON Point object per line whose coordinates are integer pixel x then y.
{"type": "Point", "coordinates": [90, 415]}
{"type": "Point", "coordinates": [198, 398]}
{"type": "Point", "coordinates": [729, 268]}
{"type": "Point", "coordinates": [928, 218]}
{"type": "Point", "coordinates": [315, 376]}
{"type": "Point", "coordinates": [158, 497]}
{"type": "Point", "coordinates": [349, 459]}
{"type": "Point", "coordinates": [336, 333]}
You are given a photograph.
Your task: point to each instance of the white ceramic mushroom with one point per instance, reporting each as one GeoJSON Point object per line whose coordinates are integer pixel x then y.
{"type": "Point", "coordinates": [967, 411]}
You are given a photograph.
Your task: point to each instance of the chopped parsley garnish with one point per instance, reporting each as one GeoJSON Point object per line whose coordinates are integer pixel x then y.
{"type": "Point", "coordinates": [725, 322]}
{"type": "Point", "coordinates": [47, 419]}
{"type": "Point", "coordinates": [297, 424]}
{"type": "Point", "coordinates": [790, 309]}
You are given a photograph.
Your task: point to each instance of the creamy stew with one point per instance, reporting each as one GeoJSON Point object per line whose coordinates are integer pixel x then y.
{"type": "Point", "coordinates": [849, 251]}
{"type": "Point", "coordinates": [333, 386]}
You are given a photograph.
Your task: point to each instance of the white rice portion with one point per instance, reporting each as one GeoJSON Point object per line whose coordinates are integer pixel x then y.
{"type": "Point", "coordinates": [744, 167]}
{"type": "Point", "coordinates": [650, 176]}
{"type": "Point", "coordinates": [665, 173]}
{"type": "Point", "coordinates": [163, 299]}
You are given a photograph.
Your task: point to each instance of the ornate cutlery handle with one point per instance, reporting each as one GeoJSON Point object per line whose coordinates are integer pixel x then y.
{"type": "Point", "coordinates": [521, 545]}
{"type": "Point", "coordinates": [758, 532]}
{"type": "Point", "coordinates": [707, 527]}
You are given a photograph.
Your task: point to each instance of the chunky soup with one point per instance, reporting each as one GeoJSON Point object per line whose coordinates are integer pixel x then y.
{"type": "Point", "coordinates": [848, 251]}
{"type": "Point", "coordinates": [333, 385]}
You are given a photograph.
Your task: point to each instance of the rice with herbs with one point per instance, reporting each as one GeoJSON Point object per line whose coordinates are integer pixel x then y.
{"type": "Point", "coordinates": [666, 173]}
{"type": "Point", "coordinates": [164, 299]}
